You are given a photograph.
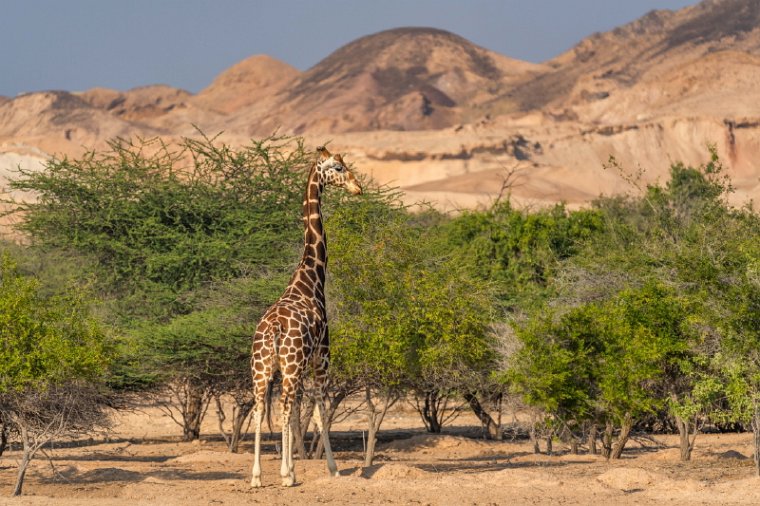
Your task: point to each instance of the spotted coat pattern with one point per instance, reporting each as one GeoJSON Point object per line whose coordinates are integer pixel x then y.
{"type": "Point", "coordinates": [292, 336]}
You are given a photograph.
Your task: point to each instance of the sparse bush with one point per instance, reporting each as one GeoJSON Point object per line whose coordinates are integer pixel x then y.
{"type": "Point", "coordinates": [54, 361]}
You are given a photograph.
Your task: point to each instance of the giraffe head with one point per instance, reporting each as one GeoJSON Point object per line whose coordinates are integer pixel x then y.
{"type": "Point", "coordinates": [333, 171]}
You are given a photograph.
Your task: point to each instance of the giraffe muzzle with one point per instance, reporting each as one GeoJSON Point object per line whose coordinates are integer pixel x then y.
{"type": "Point", "coordinates": [354, 188]}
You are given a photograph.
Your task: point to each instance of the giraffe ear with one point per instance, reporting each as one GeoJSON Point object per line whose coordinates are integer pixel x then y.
{"type": "Point", "coordinates": [323, 153]}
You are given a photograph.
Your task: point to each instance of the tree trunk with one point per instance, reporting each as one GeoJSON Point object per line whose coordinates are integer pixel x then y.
{"type": "Point", "coordinates": [607, 439]}
{"type": "Point", "coordinates": [429, 412]}
{"type": "Point", "coordinates": [306, 416]}
{"type": "Point", "coordinates": [374, 420]}
{"type": "Point", "coordinates": [23, 465]}
{"type": "Point", "coordinates": [238, 420]}
{"type": "Point", "coordinates": [625, 431]}
{"type": "Point", "coordinates": [592, 440]}
{"type": "Point", "coordinates": [567, 437]}
{"type": "Point", "coordinates": [298, 427]}
{"type": "Point", "coordinates": [26, 458]}
{"type": "Point", "coordinates": [756, 436]}
{"type": "Point", "coordinates": [195, 404]}
{"type": "Point", "coordinates": [369, 451]}
{"type": "Point", "coordinates": [549, 447]}
{"type": "Point", "coordinates": [240, 412]}
{"type": "Point", "coordinates": [492, 429]}
{"type": "Point", "coordinates": [534, 439]}
{"type": "Point", "coordinates": [3, 436]}
{"type": "Point", "coordinates": [499, 413]}
{"type": "Point", "coordinates": [317, 446]}
{"type": "Point", "coordinates": [684, 434]}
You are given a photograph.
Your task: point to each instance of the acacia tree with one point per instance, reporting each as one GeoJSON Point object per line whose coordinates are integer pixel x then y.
{"type": "Point", "coordinates": [370, 345]}
{"type": "Point", "coordinates": [451, 313]}
{"type": "Point", "coordinates": [647, 335]}
{"type": "Point", "coordinates": [677, 238]}
{"type": "Point", "coordinates": [407, 318]}
{"type": "Point", "coordinates": [519, 254]}
{"type": "Point", "coordinates": [686, 233]}
{"type": "Point", "coordinates": [739, 360]}
{"type": "Point", "coordinates": [553, 369]}
{"type": "Point", "coordinates": [605, 362]}
{"type": "Point", "coordinates": [54, 362]}
{"type": "Point", "coordinates": [158, 225]}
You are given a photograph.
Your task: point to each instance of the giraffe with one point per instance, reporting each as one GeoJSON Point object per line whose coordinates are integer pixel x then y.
{"type": "Point", "coordinates": [292, 335]}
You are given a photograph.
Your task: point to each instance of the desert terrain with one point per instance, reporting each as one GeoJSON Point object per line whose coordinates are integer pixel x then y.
{"type": "Point", "coordinates": [142, 461]}
{"type": "Point", "coordinates": [445, 120]}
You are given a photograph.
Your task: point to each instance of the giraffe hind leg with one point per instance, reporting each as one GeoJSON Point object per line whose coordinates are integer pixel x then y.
{"type": "Point", "coordinates": [258, 415]}
{"type": "Point", "coordinates": [287, 468]}
{"type": "Point", "coordinates": [262, 385]}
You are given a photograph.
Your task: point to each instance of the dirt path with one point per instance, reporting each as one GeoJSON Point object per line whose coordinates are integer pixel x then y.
{"type": "Point", "coordinates": [141, 468]}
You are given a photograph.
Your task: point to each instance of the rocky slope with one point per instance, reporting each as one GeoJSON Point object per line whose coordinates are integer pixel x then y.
{"type": "Point", "coordinates": [617, 75]}
{"type": "Point", "coordinates": [248, 83]}
{"type": "Point", "coordinates": [402, 79]}
{"type": "Point", "coordinates": [446, 119]}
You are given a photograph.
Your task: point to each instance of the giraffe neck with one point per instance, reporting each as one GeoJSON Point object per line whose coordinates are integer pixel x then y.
{"type": "Point", "coordinates": [309, 278]}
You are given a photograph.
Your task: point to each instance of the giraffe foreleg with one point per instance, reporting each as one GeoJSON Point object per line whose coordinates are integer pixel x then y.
{"type": "Point", "coordinates": [319, 415]}
{"type": "Point", "coordinates": [319, 419]}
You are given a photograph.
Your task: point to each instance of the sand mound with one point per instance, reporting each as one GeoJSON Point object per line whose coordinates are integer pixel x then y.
{"type": "Point", "coordinates": [213, 456]}
{"type": "Point", "coordinates": [435, 441]}
{"type": "Point", "coordinates": [525, 478]}
{"type": "Point", "coordinates": [582, 457]}
{"type": "Point", "coordinates": [730, 454]}
{"type": "Point", "coordinates": [107, 474]}
{"type": "Point", "coordinates": [398, 471]}
{"type": "Point", "coordinates": [628, 478]}
{"type": "Point", "coordinates": [668, 454]}
{"type": "Point", "coordinates": [156, 480]}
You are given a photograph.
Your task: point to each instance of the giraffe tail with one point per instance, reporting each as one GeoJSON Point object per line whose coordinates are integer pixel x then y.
{"type": "Point", "coordinates": [268, 400]}
{"type": "Point", "coordinates": [276, 375]}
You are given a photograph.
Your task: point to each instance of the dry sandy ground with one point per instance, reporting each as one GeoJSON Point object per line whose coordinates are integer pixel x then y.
{"type": "Point", "coordinates": [144, 464]}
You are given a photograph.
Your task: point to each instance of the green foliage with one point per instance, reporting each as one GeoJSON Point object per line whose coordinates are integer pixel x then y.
{"type": "Point", "coordinates": [604, 360]}
{"type": "Point", "coordinates": [159, 224]}
{"type": "Point", "coordinates": [45, 341]}
{"type": "Point", "coordinates": [406, 314]}
{"type": "Point", "coordinates": [655, 309]}
{"type": "Point", "coordinates": [647, 334]}
{"type": "Point", "coordinates": [208, 346]}
{"type": "Point", "coordinates": [520, 251]}
{"type": "Point", "coordinates": [369, 245]}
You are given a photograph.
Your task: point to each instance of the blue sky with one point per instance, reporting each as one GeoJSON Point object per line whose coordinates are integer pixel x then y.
{"type": "Point", "coordinates": [80, 44]}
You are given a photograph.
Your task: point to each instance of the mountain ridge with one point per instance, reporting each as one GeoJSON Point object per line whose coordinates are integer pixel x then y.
{"type": "Point", "coordinates": [425, 108]}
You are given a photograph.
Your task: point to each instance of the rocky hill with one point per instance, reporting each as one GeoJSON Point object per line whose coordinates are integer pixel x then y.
{"type": "Point", "coordinates": [402, 79]}
{"type": "Point", "coordinates": [648, 53]}
{"type": "Point", "coordinates": [57, 121]}
{"type": "Point", "coordinates": [445, 119]}
{"type": "Point", "coordinates": [250, 82]}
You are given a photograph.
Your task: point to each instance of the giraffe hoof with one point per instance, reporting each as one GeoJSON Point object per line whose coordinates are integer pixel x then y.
{"type": "Point", "coordinates": [255, 482]}
{"type": "Point", "coordinates": [289, 480]}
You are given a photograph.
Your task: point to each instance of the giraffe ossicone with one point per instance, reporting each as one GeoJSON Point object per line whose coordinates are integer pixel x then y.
{"type": "Point", "coordinates": [292, 335]}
